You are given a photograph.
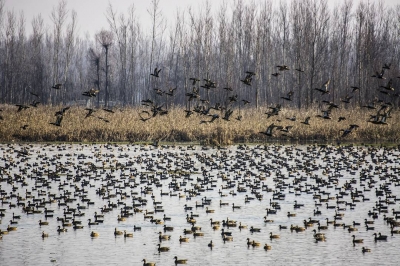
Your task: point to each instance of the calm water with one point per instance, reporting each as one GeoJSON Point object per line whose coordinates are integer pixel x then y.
{"type": "Point", "coordinates": [307, 174]}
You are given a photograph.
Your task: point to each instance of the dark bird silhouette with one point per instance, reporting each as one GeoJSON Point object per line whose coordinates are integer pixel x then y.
{"type": "Point", "coordinates": [23, 127]}
{"type": "Point", "coordinates": [247, 80]}
{"type": "Point", "coordinates": [385, 109]}
{"type": "Point", "coordinates": [209, 84]}
{"type": "Point", "coordinates": [293, 118]}
{"type": "Point", "coordinates": [157, 110]}
{"type": "Point", "coordinates": [158, 91]}
{"type": "Point", "coordinates": [217, 106]}
{"type": "Point", "coordinates": [387, 66]}
{"type": "Point", "coordinates": [325, 115]}
{"type": "Point", "coordinates": [156, 72]}
{"type": "Point", "coordinates": [274, 111]}
{"type": "Point", "coordinates": [331, 105]}
{"type": "Point", "coordinates": [324, 88]}
{"type": "Point", "coordinates": [57, 86]}
{"type": "Point", "coordinates": [379, 237]}
{"type": "Point", "coordinates": [288, 96]}
{"type": "Point", "coordinates": [201, 109]}
{"type": "Point", "coordinates": [58, 121]}
{"type": "Point", "coordinates": [21, 107]}
{"type": "Point", "coordinates": [355, 88]}
{"type": "Point", "coordinates": [103, 119]}
{"type": "Point", "coordinates": [204, 101]}
{"type": "Point", "coordinates": [108, 110]}
{"type": "Point", "coordinates": [147, 102]}
{"type": "Point", "coordinates": [341, 118]}
{"type": "Point", "coordinates": [378, 120]}
{"type": "Point", "coordinates": [388, 86]}
{"type": "Point", "coordinates": [306, 121]}
{"type": "Point", "coordinates": [62, 111]}
{"type": "Point", "coordinates": [275, 74]}
{"type": "Point", "coordinates": [348, 130]}
{"type": "Point", "coordinates": [250, 73]}
{"type": "Point", "coordinates": [346, 99]}
{"type": "Point", "coordinates": [370, 105]}
{"type": "Point", "coordinates": [245, 102]}
{"type": "Point", "coordinates": [194, 94]}
{"type": "Point", "coordinates": [299, 70]}
{"type": "Point", "coordinates": [286, 129]}
{"type": "Point", "coordinates": [170, 92]}
{"type": "Point", "coordinates": [227, 114]}
{"type": "Point", "coordinates": [213, 117]}
{"type": "Point", "coordinates": [188, 113]}
{"type": "Point", "coordinates": [144, 119]}
{"type": "Point", "coordinates": [282, 68]}
{"type": "Point", "coordinates": [34, 94]}
{"type": "Point", "coordinates": [379, 75]}
{"type": "Point", "coordinates": [194, 80]}
{"type": "Point", "coordinates": [268, 131]}
{"type": "Point", "coordinates": [90, 93]}
{"type": "Point", "coordinates": [34, 103]}
{"type": "Point", "coordinates": [233, 98]}
{"type": "Point", "coordinates": [90, 112]}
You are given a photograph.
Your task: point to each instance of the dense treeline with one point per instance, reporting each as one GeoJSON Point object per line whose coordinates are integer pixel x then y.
{"type": "Point", "coordinates": [345, 44]}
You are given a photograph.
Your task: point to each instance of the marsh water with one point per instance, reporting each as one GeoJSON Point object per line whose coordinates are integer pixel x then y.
{"type": "Point", "coordinates": [77, 181]}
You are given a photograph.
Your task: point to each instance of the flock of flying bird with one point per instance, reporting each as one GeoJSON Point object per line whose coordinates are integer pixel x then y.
{"type": "Point", "coordinates": [225, 110]}
{"type": "Point", "coordinates": [60, 114]}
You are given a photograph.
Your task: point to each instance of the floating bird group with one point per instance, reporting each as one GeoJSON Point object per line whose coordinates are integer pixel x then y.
{"type": "Point", "coordinates": [134, 188]}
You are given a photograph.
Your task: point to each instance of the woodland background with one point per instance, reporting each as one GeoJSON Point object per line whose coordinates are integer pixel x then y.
{"type": "Point", "coordinates": [346, 44]}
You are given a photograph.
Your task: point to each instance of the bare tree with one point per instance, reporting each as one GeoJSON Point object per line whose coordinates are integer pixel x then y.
{"type": "Point", "coordinates": [69, 43]}
{"type": "Point", "coordinates": [37, 63]}
{"type": "Point", "coordinates": [157, 29]}
{"type": "Point", "coordinates": [58, 16]}
{"type": "Point", "coordinates": [105, 39]}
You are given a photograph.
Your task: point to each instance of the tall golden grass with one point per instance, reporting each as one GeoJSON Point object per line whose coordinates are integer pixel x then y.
{"type": "Point", "coordinates": [125, 126]}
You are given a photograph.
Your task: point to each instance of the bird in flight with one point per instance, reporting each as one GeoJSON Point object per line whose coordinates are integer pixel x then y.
{"type": "Point", "coordinates": [268, 131]}
{"type": "Point", "coordinates": [306, 121]}
{"type": "Point", "coordinates": [388, 86]}
{"type": "Point", "coordinates": [90, 93]}
{"type": "Point", "coordinates": [194, 80]}
{"type": "Point", "coordinates": [324, 88]}
{"type": "Point", "coordinates": [90, 112]}
{"type": "Point", "coordinates": [156, 72]}
{"type": "Point", "coordinates": [348, 130]}
{"type": "Point", "coordinates": [34, 103]}
{"type": "Point", "coordinates": [249, 76]}
{"type": "Point", "coordinates": [275, 74]}
{"type": "Point", "coordinates": [57, 86]}
{"type": "Point", "coordinates": [58, 121]}
{"type": "Point", "coordinates": [282, 68]}
{"type": "Point", "coordinates": [21, 107]}
{"type": "Point", "coordinates": [288, 96]}
{"type": "Point", "coordinates": [379, 75]}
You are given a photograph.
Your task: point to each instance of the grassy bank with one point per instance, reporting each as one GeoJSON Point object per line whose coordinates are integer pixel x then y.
{"type": "Point", "coordinates": [125, 126]}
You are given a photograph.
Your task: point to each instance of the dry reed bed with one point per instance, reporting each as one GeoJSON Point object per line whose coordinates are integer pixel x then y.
{"type": "Point", "coordinates": [125, 126]}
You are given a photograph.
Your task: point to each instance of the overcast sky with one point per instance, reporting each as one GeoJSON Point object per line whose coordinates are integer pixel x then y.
{"type": "Point", "coordinates": [91, 13]}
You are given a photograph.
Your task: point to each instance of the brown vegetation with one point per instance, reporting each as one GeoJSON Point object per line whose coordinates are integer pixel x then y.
{"type": "Point", "coordinates": [125, 126]}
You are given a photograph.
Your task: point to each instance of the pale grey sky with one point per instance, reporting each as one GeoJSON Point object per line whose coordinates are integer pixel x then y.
{"type": "Point", "coordinates": [91, 13]}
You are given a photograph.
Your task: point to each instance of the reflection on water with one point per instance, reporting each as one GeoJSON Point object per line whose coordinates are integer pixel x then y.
{"type": "Point", "coordinates": [107, 182]}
